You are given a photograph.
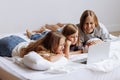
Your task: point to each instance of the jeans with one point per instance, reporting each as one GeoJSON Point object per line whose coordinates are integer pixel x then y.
{"type": "Point", "coordinates": [7, 44]}
{"type": "Point", "coordinates": [39, 35]}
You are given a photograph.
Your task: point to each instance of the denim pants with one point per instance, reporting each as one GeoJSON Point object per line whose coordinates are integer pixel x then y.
{"type": "Point", "coordinates": [39, 35]}
{"type": "Point", "coordinates": [7, 44]}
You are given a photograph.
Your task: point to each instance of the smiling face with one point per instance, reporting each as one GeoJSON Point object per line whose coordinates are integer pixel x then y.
{"type": "Point", "coordinates": [88, 21]}
{"type": "Point", "coordinates": [73, 38]}
{"type": "Point", "coordinates": [89, 25]}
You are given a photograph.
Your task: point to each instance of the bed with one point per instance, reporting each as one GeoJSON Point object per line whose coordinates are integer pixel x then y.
{"type": "Point", "coordinates": [12, 71]}
{"type": "Point", "coordinates": [74, 70]}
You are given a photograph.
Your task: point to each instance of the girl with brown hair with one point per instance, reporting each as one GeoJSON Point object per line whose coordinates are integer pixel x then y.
{"type": "Point", "coordinates": [73, 44]}
{"type": "Point", "coordinates": [49, 47]}
{"type": "Point", "coordinates": [90, 27]}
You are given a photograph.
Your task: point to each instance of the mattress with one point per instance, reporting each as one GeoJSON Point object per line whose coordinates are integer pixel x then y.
{"type": "Point", "coordinates": [9, 70]}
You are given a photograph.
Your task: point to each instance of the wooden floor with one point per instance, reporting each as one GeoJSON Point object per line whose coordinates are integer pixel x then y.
{"type": "Point", "coordinates": [116, 33]}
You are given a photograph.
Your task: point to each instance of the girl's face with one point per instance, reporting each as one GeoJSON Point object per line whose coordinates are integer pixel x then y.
{"type": "Point", "coordinates": [60, 47]}
{"type": "Point", "coordinates": [73, 38]}
{"type": "Point", "coordinates": [89, 25]}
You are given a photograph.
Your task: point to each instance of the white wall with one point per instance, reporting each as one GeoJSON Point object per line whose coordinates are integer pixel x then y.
{"type": "Point", "coordinates": [17, 15]}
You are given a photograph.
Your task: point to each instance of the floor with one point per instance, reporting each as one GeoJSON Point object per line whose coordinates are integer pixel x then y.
{"type": "Point", "coordinates": [116, 33]}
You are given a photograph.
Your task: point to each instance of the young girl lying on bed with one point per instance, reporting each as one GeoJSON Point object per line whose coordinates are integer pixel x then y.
{"type": "Point", "coordinates": [73, 44]}
{"type": "Point", "coordinates": [49, 47]}
{"type": "Point", "coordinates": [71, 32]}
{"type": "Point", "coordinates": [90, 27]}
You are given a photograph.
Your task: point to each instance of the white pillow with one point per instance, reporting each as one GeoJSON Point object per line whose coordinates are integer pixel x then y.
{"type": "Point", "coordinates": [36, 62]}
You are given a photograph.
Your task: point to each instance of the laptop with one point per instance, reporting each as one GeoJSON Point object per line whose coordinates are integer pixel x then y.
{"type": "Point", "coordinates": [79, 58]}
{"type": "Point", "coordinates": [100, 52]}
{"type": "Point", "coordinates": [97, 53]}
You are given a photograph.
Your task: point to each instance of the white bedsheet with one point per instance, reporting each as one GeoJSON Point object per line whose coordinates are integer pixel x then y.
{"type": "Point", "coordinates": [25, 73]}
{"type": "Point", "coordinates": [77, 72]}
{"type": "Point", "coordinates": [72, 71]}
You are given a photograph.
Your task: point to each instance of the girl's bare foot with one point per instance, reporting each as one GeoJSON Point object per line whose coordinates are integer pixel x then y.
{"type": "Point", "coordinates": [60, 24]}
{"type": "Point", "coordinates": [40, 30]}
{"type": "Point", "coordinates": [28, 33]}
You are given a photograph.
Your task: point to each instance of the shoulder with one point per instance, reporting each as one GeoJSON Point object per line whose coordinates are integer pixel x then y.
{"type": "Point", "coordinates": [102, 26]}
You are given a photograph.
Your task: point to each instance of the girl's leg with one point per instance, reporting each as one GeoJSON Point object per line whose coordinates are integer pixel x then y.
{"type": "Point", "coordinates": [36, 36]}
{"type": "Point", "coordinates": [28, 33]}
{"type": "Point", "coordinates": [39, 35]}
{"type": "Point", "coordinates": [7, 44]}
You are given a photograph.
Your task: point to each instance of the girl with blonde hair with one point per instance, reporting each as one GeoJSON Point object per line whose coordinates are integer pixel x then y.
{"type": "Point", "coordinates": [50, 47]}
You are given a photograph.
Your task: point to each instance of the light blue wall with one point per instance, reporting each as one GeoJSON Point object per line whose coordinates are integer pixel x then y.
{"type": "Point", "coordinates": [17, 15]}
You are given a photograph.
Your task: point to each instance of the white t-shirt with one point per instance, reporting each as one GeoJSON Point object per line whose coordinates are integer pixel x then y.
{"type": "Point", "coordinates": [16, 50]}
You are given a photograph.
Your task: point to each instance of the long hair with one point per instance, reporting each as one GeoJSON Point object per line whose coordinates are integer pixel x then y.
{"type": "Point", "coordinates": [70, 29]}
{"type": "Point", "coordinates": [85, 14]}
{"type": "Point", "coordinates": [52, 40]}
{"type": "Point", "coordinates": [47, 43]}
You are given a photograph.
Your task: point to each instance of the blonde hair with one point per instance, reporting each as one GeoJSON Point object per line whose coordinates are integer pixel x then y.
{"type": "Point", "coordinates": [70, 29]}
{"type": "Point", "coordinates": [48, 43]}
{"type": "Point", "coordinates": [85, 14]}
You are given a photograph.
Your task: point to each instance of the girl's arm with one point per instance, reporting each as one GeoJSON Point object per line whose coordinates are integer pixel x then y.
{"type": "Point", "coordinates": [76, 52]}
{"type": "Point", "coordinates": [50, 56]}
{"type": "Point", "coordinates": [93, 42]}
{"type": "Point", "coordinates": [55, 57]}
{"type": "Point", "coordinates": [67, 48]}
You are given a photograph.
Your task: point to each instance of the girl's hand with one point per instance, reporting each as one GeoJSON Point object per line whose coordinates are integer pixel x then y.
{"type": "Point", "coordinates": [60, 55]}
{"type": "Point", "coordinates": [56, 57]}
{"type": "Point", "coordinates": [93, 42]}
